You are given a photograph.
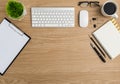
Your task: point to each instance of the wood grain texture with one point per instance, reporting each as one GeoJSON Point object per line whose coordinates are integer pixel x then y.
{"type": "Point", "coordinates": [60, 55]}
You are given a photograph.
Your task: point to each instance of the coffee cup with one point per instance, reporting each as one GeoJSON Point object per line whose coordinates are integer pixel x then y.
{"type": "Point", "coordinates": [110, 8]}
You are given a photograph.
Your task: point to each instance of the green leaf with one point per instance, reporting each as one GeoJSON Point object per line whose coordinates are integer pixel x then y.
{"type": "Point", "coordinates": [14, 9]}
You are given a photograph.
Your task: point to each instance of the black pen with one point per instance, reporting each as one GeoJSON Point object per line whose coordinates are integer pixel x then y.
{"type": "Point", "coordinates": [97, 45]}
{"type": "Point", "coordinates": [97, 52]}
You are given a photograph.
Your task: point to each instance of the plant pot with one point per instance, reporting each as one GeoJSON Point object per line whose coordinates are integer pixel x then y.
{"type": "Point", "coordinates": [15, 10]}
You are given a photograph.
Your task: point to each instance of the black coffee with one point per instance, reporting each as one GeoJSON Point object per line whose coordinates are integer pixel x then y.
{"type": "Point", "coordinates": [110, 8]}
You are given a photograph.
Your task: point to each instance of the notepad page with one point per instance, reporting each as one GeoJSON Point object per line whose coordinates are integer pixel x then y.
{"type": "Point", "coordinates": [10, 45]}
{"type": "Point", "coordinates": [109, 38]}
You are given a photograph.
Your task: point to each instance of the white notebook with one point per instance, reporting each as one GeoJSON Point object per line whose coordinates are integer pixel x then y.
{"type": "Point", "coordinates": [109, 38]}
{"type": "Point", "coordinates": [12, 41]}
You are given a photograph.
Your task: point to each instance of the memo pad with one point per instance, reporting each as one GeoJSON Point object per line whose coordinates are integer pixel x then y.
{"type": "Point", "coordinates": [109, 38]}
{"type": "Point", "coordinates": [12, 41]}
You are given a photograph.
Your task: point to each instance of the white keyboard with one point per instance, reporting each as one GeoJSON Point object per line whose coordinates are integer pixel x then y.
{"type": "Point", "coordinates": [53, 16]}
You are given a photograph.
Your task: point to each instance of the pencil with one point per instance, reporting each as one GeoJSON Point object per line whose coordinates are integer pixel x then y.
{"type": "Point", "coordinates": [97, 52]}
{"type": "Point", "coordinates": [97, 45]}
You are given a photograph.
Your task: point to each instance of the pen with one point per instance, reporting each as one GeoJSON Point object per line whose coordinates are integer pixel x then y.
{"type": "Point", "coordinates": [97, 52]}
{"type": "Point", "coordinates": [97, 46]}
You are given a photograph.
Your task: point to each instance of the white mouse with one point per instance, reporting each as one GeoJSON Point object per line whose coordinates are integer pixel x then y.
{"type": "Point", "coordinates": [83, 18]}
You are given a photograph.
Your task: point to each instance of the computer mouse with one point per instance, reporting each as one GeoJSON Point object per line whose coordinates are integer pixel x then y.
{"type": "Point", "coordinates": [83, 18]}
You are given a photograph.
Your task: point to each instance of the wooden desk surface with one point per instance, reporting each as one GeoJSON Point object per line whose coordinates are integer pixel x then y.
{"type": "Point", "coordinates": [59, 55]}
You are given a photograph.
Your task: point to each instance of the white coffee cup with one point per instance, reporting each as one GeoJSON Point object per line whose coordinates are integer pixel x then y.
{"type": "Point", "coordinates": [110, 8]}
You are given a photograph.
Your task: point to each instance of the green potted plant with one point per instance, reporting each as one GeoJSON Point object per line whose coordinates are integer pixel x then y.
{"type": "Point", "coordinates": [15, 9]}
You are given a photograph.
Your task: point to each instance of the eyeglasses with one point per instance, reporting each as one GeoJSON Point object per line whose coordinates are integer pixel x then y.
{"type": "Point", "coordinates": [87, 3]}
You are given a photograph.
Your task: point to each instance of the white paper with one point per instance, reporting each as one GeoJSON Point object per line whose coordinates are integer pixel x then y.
{"type": "Point", "coordinates": [11, 43]}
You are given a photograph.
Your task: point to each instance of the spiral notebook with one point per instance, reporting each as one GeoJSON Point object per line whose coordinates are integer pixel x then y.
{"type": "Point", "coordinates": [108, 36]}
{"type": "Point", "coordinates": [12, 42]}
